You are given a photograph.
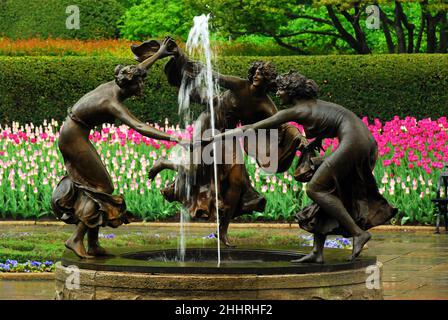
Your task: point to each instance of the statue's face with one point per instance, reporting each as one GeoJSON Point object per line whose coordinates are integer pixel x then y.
{"type": "Point", "coordinates": [283, 96]}
{"type": "Point", "coordinates": [258, 79]}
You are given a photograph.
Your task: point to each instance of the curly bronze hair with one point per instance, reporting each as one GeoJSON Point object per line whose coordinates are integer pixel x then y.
{"type": "Point", "coordinates": [297, 86]}
{"type": "Point", "coordinates": [126, 76]}
{"type": "Point", "coordinates": [268, 71]}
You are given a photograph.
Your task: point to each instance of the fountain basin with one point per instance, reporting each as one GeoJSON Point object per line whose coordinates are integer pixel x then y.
{"type": "Point", "coordinates": [243, 274]}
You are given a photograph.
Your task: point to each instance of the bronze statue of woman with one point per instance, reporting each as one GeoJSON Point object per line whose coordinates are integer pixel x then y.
{"type": "Point", "coordinates": [245, 101]}
{"type": "Point", "coordinates": [84, 196]}
{"type": "Point", "coordinates": [344, 190]}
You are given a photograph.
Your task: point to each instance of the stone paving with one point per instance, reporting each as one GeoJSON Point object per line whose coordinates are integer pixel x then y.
{"type": "Point", "coordinates": [415, 264]}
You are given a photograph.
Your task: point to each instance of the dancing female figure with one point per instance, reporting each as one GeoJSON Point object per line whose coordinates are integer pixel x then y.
{"type": "Point", "coordinates": [84, 196]}
{"type": "Point", "coordinates": [244, 101]}
{"type": "Point", "coordinates": [344, 191]}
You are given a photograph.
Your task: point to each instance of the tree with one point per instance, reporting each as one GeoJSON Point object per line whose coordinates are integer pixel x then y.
{"type": "Point", "coordinates": [432, 18]}
{"type": "Point", "coordinates": [156, 18]}
{"type": "Point", "coordinates": [290, 23]}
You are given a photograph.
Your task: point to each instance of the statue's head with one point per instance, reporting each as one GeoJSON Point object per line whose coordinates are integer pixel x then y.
{"type": "Point", "coordinates": [263, 74]}
{"type": "Point", "coordinates": [293, 85]}
{"type": "Point", "coordinates": [131, 79]}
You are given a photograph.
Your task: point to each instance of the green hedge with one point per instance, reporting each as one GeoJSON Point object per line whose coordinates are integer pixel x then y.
{"type": "Point", "coordinates": [36, 88]}
{"type": "Point", "coordinates": [21, 19]}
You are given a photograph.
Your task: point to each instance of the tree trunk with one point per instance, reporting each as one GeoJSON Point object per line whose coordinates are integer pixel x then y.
{"type": "Point", "coordinates": [401, 37]}
{"type": "Point", "coordinates": [346, 36]}
{"type": "Point", "coordinates": [409, 26]}
{"type": "Point", "coordinates": [431, 39]}
{"type": "Point", "coordinates": [360, 35]}
{"type": "Point", "coordinates": [385, 24]}
{"type": "Point", "coordinates": [443, 48]}
{"type": "Point", "coordinates": [420, 33]}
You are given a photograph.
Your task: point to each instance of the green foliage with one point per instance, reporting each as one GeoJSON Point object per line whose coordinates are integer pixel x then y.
{"type": "Point", "coordinates": [156, 18]}
{"type": "Point", "coordinates": [47, 18]}
{"type": "Point", "coordinates": [306, 27]}
{"type": "Point", "coordinates": [36, 88]}
{"type": "Point", "coordinates": [242, 17]}
{"type": "Point", "coordinates": [128, 3]}
{"type": "Point", "coordinates": [43, 88]}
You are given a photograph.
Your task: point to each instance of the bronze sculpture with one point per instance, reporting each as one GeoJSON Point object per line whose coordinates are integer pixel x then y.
{"type": "Point", "coordinates": [245, 101]}
{"type": "Point", "coordinates": [343, 188]}
{"type": "Point", "coordinates": [84, 196]}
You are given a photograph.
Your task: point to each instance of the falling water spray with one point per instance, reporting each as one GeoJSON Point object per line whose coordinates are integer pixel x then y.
{"type": "Point", "coordinates": [198, 48]}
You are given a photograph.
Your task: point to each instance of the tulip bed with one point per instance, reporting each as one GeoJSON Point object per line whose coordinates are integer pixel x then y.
{"type": "Point", "coordinates": [411, 155]}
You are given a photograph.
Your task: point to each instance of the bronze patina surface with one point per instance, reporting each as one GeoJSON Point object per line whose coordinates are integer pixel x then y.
{"type": "Point", "coordinates": [84, 196]}
{"type": "Point", "coordinates": [243, 101]}
{"type": "Point", "coordinates": [343, 188]}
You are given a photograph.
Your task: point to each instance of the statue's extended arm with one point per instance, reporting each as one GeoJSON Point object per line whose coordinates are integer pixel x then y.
{"type": "Point", "coordinates": [283, 116]}
{"type": "Point", "coordinates": [123, 114]}
{"type": "Point", "coordinates": [228, 82]}
{"type": "Point", "coordinates": [275, 121]}
{"type": "Point", "coordinates": [147, 64]}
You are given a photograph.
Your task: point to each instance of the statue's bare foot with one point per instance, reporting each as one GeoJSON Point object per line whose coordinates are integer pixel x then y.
{"type": "Point", "coordinates": [226, 242]}
{"type": "Point", "coordinates": [78, 248]}
{"type": "Point", "coordinates": [358, 244]}
{"type": "Point", "coordinates": [312, 257]}
{"type": "Point", "coordinates": [97, 250]}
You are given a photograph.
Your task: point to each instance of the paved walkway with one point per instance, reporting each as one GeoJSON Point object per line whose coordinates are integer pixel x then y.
{"type": "Point", "coordinates": [415, 263]}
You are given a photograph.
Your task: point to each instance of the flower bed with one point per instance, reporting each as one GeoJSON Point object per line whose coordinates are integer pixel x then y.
{"type": "Point", "coordinates": [29, 266]}
{"type": "Point", "coordinates": [336, 243]}
{"type": "Point", "coordinates": [62, 47]}
{"type": "Point", "coordinates": [120, 47]}
{"type": "Point", "coordinates": [411, 154]}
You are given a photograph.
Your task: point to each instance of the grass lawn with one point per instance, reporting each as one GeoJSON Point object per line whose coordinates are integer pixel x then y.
{"type": "Point", "coordinates": [47, 243]}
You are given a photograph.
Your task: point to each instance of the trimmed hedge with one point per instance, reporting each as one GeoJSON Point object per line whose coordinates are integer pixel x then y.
{"type": "Point", "coordinates": [36, 88]}
{"type": "Point", "coordinates": [22, 19]}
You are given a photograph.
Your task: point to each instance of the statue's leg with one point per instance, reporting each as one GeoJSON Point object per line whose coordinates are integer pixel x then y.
{"type": "Point", "coordinates": [94, 247]}
{"type": "Point", "coordinates": [317, 254]}
{"type": "Point", "coordinates": [231, 199]}
{"type": "Point", "coordinates": [358, 244]}
{"type": "Point", "coordinates": [318, 190]}
{"type": "Point", "coordinates": [75, 242]}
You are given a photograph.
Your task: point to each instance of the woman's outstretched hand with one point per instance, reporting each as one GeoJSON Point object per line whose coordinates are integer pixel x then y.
{"type": "Point", "coordinates": [167, 48]}
{"type": "Point", "coordinates": [316, 144]}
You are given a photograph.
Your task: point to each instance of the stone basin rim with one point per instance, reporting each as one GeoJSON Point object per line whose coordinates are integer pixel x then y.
{"type": "Point", "coordinates": [127, 261]}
